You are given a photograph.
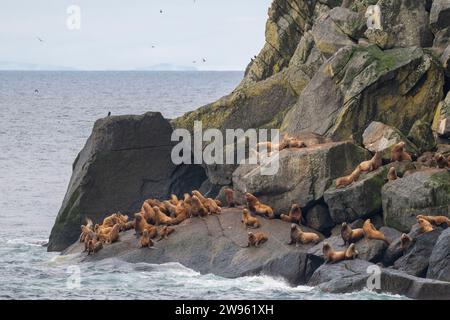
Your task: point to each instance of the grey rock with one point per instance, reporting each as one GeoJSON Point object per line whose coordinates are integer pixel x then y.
{"type": "Point", "coordinates": [423, 192]}
{"type": "Point", "coordinates": [439, 263]}
{"type": "Point", "coordinates": [440, 15]}
{"type": "Point", "coordinates": [318, 218]}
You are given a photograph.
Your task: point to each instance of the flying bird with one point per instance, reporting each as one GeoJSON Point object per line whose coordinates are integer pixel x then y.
{"type": "Point", "coordinates": [204, 59]}
{"type": "Point", "coordinates": [160, 11]}
{"type": "Point", "coordinates": [40, 39]}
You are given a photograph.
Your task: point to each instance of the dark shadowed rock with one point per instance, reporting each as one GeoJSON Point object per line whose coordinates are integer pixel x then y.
{"type": "Point", "coordinates": [423, 192]}
{"type": "Point", "coordinates": [439, 267]}
{"type": "Point", "coordinates": [126, 160]}
{"type": "Point", "coordinates": [303, 175]}
{"type": "Point", "coordinates": [440, 15]}
{"type": "Point", "coordinates": [217, 244]}
{"type": "Point", "coordinates": [416, 259]}
{"type": "Point", "coordinates": [318, 218]}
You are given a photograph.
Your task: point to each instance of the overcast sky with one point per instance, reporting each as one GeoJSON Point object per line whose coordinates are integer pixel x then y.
{"type": "Point", "coordinates": [118, 34]}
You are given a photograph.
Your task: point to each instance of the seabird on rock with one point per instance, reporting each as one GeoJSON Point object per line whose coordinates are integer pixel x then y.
{"type": "Point", "coordinates": [109, 114]}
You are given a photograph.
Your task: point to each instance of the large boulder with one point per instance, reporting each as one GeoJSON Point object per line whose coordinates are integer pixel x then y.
{"type": "Point", "coordinates": [441, 122]}
{"type": "Point", "coordinates": [361, 199]}
{"type": "Point", "coordinates": [353, 275]}
{"type": "Point", "coordinates": [361, 84]}
{"type": "Point", "coordinates": [303, 175]}
{"type": "Point", "coordinates": [217, 244]}
{"type": "Point", "coordinates": [379, 137]}
{"type": "Point", "coordinates": [370, 250]}
{"type": "Point", "coordinates": [440, 15]}
{"type": "Point", "coordinates": [318, 218]}
{"type": "Point", "coordinates": [423, 192]}
{"type": "Point", "coordinates": [415, 261]}
{"type": "Point", "coordinates": [439, 263]}
{"type": "Point", "coordinates": [126, 160]}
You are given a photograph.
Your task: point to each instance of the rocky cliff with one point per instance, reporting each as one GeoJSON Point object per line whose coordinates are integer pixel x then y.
{"type": "Point", "coordinates": [347, 91]}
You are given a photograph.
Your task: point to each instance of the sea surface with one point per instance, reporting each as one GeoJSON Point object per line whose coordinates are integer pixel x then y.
{"type": "Point", "coordinates": [45, 119]}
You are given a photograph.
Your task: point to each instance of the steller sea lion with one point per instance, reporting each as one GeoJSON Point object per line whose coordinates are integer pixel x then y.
{"type": "Point", "coordinates": [294, 216]}
{"type": "Point", "coordinates": [425, 226]}
{"type": "Point", "coordinates": [392, 174]}
{"type": "Point", "coordinates": [370, 232]}
{"type": "Point", "coordinates": [351, 252]}
{"type": "Point", "coordinates": [94, 246]}
{"type": "Point", "coordinates": [113, 235]}
{"type": "Point", "coordinates": [85, 229]}
{"type": "Point", "coordinates": [141, 225]}
{"type": "Point", "coordinates": [405, 242]}
{"type": "Point", "coordinates": [372, 164]}
{"type": "Point", "coordinates": [146, 241]}
{"type": "Point", "coordinates": [127, 226]}
{"type": "Point", "coordinates": [330, 255]}
{"type": "Point", "coordinates": [255, 239]}
{"type": "Point", "coordinates": [91, 235]}
{"type": "Point", "coordinates": [300, 237]}
{"type": "Point", "coordinates": [209, 203]}
{"type": "Point", "coordinates": [257, 207]}
{"type": "Point", "coordinates": [198, 209]}
{"type": "Point", "coordinates": [348, 180]}
{"type": "Point", "coordinates": [350, 235]}
{"type": "Point", "coordinates": [164, 232]}
{"type": "Point", "coordinates": [249, 221]}
{"type": "Point", "coordinates": [436, 220]}
{"type": "Point", "coordinates": [229, 197]}
{"type": "Point", "coordinates": [441, 161]}
{"type": "Point", "coordinates": [161, 218]}
{"type": "Point", "coordinates": [398, 153]}
{"type": "Point", "coordinates": [174, 199]}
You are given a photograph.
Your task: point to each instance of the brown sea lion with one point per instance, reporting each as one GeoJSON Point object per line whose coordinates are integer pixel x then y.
{"type": "Point", "coordinates": [350, 235]}
{"type": "Point", "coordinates": [398, 153]}
{"type": "Point", "coordinates": [351, 252]}
{"type": "Point", "coordinates": [149, 213]}
{"type": "Point", "coordinates": [370, 232]}
{"type": "Point", "coordinates": [113, 236]}
{"type": "Point", "coordinates": [249, 221]}
{"type": "Point", "coordinates": [141, 225]}
{"type": "Point", "coordinates": [405, 242]}
{"type": "Point", "coordinates": [425, 226]}
{"type": "Point", "coordinates": [198, 209]}
{"type": "Point", "coordinates": [257, 207]}
{"type": "Point", "coordinates": [300, 237]}
{"type": "Point", "coordinates": [85, 229]}
{"type": "Point", "coordinates": [161, 218]}
{"type": "Point", "coordinates": [436, 220]}
{"type": "Point", "coordinates": [127, 226]}
{"type": "Point", "coordinates": [94, 246]}
{"type": "Point", "coordinates": [348, 180]}
{"type": "Point", "coordinates": [372, 164]}
{"type": "Point", "coordinates": [174, 199]}
{"type": "Point", "coordinates": [91, 235]}
{"type": "Point", "coordinates": [164, 232]}
{"type": "Point", "coordinates": [392, 174]}
{"type": "Point", "coordinates": [332, 256]}
{"type": "Point", "coordinates": [441, 161]}
{"type": "Point", "coordinates": [209, 203]}
{"type": "Point", "coordinates": [146, 241]}
{"type": "Point", "coordinates": [229, 197]}
{"type": "Point", "coordinates": [255, 239]}
{"type": "Point", "coordinates": [294, 216]}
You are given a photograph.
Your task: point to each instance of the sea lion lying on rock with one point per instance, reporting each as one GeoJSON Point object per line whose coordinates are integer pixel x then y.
{"type": "Point", "coordinates": [370, 232]}
{"type": "Point", "coordinates": [398, 153]}
{"type": "Point", "coordinates": [141, 225]}
{"type": "Point", "coordinates": [332, 256]}
{"type": "Point", "coordinates": [210, 204]}
{"type": "Point", "coordinates": [229, 197]}
{"type": "Point", "coordinates": [294, 216]}
{"type": "Point", "coordinates": [300, 237]}
{"type": "Point", "coordinates": [94, 246]}
{"type": "Point", "coordinates": [198, 209]}
{"type": "Point", "coordinates": [164, 232]}
{"type": "Point", "coordinates": [439, 221]}
{"type": "Point", "coordinates": [146, 241]}
{"type": "Point", "coordinates": [350, 235]}
{"type": "Point", "coordinates": [257, 207]}
{"type": "Point", "coordinates": [249, 221]}
{"type": "Point", "coordinates": [405, 242]}
{"type": "Point", "coordinates": [348, 180]}
{"type": "Point", "coordinates": [372, 164]}
{"type": "Point", "coordinates": [255, 239]}
{"type": "Point", "coordinates": [425, 226]}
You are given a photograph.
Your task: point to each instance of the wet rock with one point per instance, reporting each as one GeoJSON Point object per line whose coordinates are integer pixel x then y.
{"type": "Point", "coordinates": [439, 263]}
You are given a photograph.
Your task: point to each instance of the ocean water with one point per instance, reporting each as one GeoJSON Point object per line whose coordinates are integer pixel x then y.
{"type": "Point", "coordinates": [45, 120]}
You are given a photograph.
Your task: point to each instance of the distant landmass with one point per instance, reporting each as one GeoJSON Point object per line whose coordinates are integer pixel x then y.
{"type": "Point", "coordinates": [21, 66]}
{"type": "Point", "coordinates": [167, 67]}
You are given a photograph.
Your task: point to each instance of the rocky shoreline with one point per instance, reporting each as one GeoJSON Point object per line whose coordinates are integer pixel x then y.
{"type": "Point", "coordinates": [347, 92]}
